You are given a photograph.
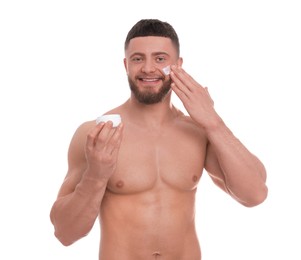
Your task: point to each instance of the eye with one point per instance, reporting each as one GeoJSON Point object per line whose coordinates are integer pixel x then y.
{"type": "Point", "coordinates": [137, 59]}
{"type": "Point", "coordinates": [160, 59]}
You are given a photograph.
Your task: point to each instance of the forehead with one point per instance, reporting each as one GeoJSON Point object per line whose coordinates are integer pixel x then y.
{"type": "Point", "coordinates": [150, 44]}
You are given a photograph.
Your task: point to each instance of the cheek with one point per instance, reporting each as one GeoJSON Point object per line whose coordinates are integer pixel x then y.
{"type": "Point", "coordinates": [132, 71]}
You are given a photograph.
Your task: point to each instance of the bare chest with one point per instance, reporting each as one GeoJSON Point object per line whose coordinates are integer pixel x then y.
{"type": "Point", "coordinates": [146, 161]}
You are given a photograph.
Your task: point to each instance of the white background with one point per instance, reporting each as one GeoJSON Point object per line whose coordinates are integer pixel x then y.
{"type": "Point", "coordinates": [61, 64]}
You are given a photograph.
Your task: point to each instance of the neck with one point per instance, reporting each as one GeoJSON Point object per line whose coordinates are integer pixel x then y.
{"type": "Point", "coordinates": [151, 115]}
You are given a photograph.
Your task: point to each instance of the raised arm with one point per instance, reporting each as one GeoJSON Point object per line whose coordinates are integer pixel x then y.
{"type": "Point", "coordinates": [229, 163]}
{"type": "Point", "coordinates": [92, 157]}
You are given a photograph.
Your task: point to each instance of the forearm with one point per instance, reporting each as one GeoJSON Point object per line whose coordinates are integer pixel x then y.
{"type": "Point", "coordinates": [74, 215]}
{"type": "Point", "coordinates": [244, 174]}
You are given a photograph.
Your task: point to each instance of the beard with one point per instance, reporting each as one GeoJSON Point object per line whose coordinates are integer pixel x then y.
{"type": "Point", "coordinates": [149, 97]}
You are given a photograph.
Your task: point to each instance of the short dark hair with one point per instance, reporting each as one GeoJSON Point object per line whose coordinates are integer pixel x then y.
{"type": "Point", "coordinates": [153, 27]}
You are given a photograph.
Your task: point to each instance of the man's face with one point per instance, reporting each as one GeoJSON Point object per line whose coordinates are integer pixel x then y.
{"type": "Point", "coordinates": [144, 60]}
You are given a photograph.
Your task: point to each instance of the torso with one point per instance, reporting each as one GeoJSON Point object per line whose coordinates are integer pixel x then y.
{"type": "Point", "coordinates": [148, 208]}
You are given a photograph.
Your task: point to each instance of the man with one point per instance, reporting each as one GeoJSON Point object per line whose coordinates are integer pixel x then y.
{"type": "Point", "coordinates": [140, 178]}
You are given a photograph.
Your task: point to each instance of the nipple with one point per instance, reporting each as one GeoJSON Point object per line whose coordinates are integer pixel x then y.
{"type": "Point", "coordinates": [120, 184]}
{"type": "Point", "coordinates": [195, 178]}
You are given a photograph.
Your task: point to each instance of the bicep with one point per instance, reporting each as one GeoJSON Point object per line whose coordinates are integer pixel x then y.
{"type": "Point", "coordinates": [76, 162]}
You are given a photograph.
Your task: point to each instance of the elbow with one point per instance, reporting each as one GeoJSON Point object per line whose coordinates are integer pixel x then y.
{"type": "Point", "coordinates": [63, 239]}
{"type": "Point", "coordinates": [251, 198]}
{"type": "Point", "coordinates": [67, 231]}
{"type": "Point", "coordinates": [59, 233]}
{"type": "Point", "coordinates": [67, 236]}
{"type": "Point", "coordinates": [256, 199]}
{"type": "Point", "coordinates": [261, 193]}
{"type": "Point", "coordinates": [68, 239]}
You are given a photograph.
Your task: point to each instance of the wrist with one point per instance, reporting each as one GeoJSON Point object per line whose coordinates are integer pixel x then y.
{"type": "Point", "coordinates": [214, 124]}
{"type": "Point", "coordinates": [219, 133]}
{"type": "Point", "coordinates": [93, 182]}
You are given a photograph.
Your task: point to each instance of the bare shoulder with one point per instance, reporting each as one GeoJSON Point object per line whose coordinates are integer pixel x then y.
{"type": "Point", "coordinates": [83, 129]}
{"type": "Point", "coordinates": [78, 140]}
{"type": "Point", "coordinates": [186, 124]}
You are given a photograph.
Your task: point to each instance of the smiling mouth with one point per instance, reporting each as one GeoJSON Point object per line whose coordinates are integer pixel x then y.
{"type": "Point", "coordinates": [150, 79]}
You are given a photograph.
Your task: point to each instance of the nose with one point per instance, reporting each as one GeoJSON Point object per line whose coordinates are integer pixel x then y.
{"type": "Point", "coordinates": [148, 67]}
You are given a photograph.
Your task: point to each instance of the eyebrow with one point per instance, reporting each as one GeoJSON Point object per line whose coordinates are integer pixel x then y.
{"type": "Point", "coordinates": [153, 54]}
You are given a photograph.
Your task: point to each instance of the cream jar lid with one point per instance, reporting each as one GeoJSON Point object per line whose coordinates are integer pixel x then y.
{"type": "Point", "coordinates": [114, 118]}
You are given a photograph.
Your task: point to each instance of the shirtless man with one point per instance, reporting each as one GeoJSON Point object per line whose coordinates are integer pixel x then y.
{"type": "Point", "coordinates": [140, 178]}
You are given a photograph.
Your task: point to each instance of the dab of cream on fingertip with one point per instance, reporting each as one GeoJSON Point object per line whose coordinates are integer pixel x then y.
{"type": "Point", "coordinates": [166, 70]}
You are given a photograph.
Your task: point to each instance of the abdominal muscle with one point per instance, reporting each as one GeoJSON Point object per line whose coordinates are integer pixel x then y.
{"type": "Point", "coordinates": [155, 224]}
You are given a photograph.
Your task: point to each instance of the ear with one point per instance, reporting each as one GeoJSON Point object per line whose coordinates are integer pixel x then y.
{"type": "Point", "coordinates": [125, 65]}
{"type": "Point", "coordinates": [180, 61]}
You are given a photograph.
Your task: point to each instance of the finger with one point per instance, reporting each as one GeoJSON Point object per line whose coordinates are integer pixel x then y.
{"type": "Point", "coordinates": [207, 92]}
{"type": "Point", "coordinates": [93, 134]}
{"type": "Point", "coordinates": [182, 95]}
{"type": "Point", "coordinates": [177, 83]}
{"type": "Point", "coordinates": [183, 79]}
{"type": "Point", "coordinates": [104, 135]}
{"type": "Point", "coordinates": [114, 142]}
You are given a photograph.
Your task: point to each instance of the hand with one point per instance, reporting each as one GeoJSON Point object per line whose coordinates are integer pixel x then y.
{"type": "Point", "coordinates": [102, 147]}
{"type": "Point", "coordinates": [195, 98]}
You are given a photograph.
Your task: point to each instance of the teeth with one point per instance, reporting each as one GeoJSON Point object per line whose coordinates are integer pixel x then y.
{"type": "Point", "coordinates": [150, 80]}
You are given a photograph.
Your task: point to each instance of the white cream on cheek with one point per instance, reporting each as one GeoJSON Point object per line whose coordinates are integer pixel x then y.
{"type": "Point", "coordinates": [166, 70]}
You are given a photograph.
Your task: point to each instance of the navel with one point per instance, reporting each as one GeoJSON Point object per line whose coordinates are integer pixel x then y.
{"type": "Point", "coordinates": [119, 184]}
{"type": "Point", "coordinates": [156, 255]}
